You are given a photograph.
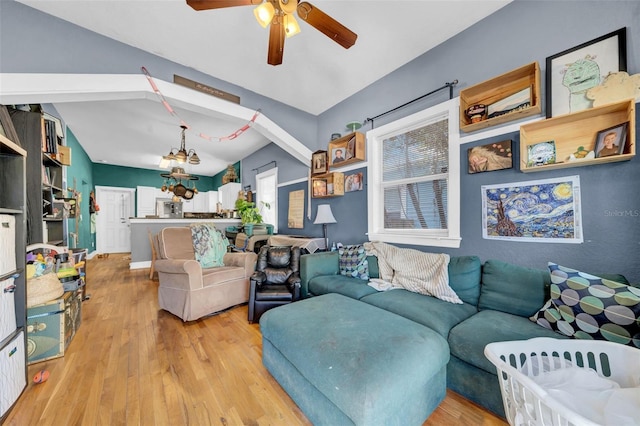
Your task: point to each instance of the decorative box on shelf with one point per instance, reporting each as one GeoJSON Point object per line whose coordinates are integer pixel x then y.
{"type": "Point", "coordinates": [52, 325]}
{"type": "Point", "coordinates": [575, 137]}
{"type": "Point", "coordinates": [346, 150]}
{"type": "Point", "coordinates": [327, 185]}
{"type": "Point", "coordinates": [510, 96]}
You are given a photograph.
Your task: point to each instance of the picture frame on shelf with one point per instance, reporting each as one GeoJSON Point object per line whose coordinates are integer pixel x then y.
{"type": "Point", "coordinates": [338, 154]}
{"type": "Point", "coordinates": [611, 141]}
{"type": "Point", "coordinates": [572, 72]}
{"type": "Point", "coordinates": [350, 149]}
{"type": "Point", "coordinates": [490, 157]}
{"type": "Point", "coordinates": [512, 103]}
{"type": "Point", "coordinates": [319, 188]}
{"type": "Point", "coordinates": [541, 154]}
{"type": "Point", "coordinates": [319, 164]}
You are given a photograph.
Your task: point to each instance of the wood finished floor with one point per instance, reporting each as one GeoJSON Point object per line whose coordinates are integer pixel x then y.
{"type": "Point", "coordinates": [133, 364]}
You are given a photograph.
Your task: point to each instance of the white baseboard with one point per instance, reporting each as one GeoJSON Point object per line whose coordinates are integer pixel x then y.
{"type": "Point", "coordinates": [140, 265]}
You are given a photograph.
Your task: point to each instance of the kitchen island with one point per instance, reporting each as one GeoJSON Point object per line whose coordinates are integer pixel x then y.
{"type": "Point", "coordinates": [140, 227]}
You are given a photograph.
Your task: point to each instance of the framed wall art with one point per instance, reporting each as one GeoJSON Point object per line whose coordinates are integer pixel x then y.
{"type": "Point", "coordinates": [490, 157]}
{"type": "Point", "coordinates": [611, 141]}
{"type": "Point", "coordinates": [545, 211]}
{"type": "Point", "coordinates": [319, 164]}
{"type": "Point", "coordinates": [353, 182]}
{"type": "Point", "coordinates": [541, 154]}
{"type": "Point", "coordinates": [571, 73]}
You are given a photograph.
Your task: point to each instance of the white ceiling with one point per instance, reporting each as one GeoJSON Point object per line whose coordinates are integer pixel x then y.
{"type": "Point", "coordinates": [316, 73]}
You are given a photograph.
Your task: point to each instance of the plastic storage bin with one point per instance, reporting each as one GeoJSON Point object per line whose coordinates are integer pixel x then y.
{"type": "Point", "coordinates": [526, 403]}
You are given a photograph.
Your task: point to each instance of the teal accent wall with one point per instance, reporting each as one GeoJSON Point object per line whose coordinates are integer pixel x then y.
{"type": "Point", "coordinates": [81, 169]}
{"type": "Point", "coordinates": [130, 177]}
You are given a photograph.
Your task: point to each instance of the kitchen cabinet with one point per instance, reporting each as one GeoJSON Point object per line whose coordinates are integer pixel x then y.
{"type": "Point", "coordinates": [198, 204]}
{"type": "Point", "coordinates": [146, 200]}
{"type": "Point", "coordinates": [212, 201]}
{"type": "Point", "coordinates": [228, 194]}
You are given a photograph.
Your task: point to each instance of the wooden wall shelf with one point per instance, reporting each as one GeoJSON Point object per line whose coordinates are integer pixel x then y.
{"type": "Point", "coordinates": [497, 89]}
{"type": "Point", "coordinates": [571, 131]}
{"type": "Point", "coordinates": [327, 185]}
{"type": "Point", "coordinates": [353, 145]}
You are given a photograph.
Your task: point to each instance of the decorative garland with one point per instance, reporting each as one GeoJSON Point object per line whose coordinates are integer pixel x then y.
{"type": "Point", "coordinates": [171, 111]}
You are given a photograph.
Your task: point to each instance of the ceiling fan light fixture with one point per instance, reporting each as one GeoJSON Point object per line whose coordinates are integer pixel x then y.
{"type": "Point", "coordinates": [264, 13]}
{"type": "Point", "coordinates": [291, 26]}
{"type": "Point", "coordinates": [288, 6]}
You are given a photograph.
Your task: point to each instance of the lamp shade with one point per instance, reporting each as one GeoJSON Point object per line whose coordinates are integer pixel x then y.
{"type": "Point", "coordinates": [291, 26]}
{"type": "Point", "coordinates": [324, 215]}
{"type": "Point", "coordinates": [264, 14]}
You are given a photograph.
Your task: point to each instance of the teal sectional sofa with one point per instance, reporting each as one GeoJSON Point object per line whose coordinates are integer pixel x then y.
{"type": "Point", "coordinates": [498, 299]}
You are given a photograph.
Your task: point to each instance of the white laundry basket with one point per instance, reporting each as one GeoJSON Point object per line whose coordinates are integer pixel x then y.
{"type": "Point", "coordinates": [526, 403]}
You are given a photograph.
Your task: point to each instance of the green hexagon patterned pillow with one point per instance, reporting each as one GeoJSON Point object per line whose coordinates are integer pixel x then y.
{"type": "Point", "coordinates": [584, 306]}
{"type": "Point", "coordinates": [353, 262]}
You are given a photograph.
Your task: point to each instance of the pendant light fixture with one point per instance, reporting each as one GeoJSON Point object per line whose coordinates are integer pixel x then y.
{"type": "Point", "coordinates": [181, 155]}
{"type": "Point", "coordinates": [173, 180]}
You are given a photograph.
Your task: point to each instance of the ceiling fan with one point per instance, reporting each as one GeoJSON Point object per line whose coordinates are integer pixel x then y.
{"type": "Point", "coordinates": [280, 15]}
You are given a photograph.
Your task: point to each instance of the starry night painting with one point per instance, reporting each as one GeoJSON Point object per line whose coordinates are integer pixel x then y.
{"type": "Point", "coordinates": [539, 211]}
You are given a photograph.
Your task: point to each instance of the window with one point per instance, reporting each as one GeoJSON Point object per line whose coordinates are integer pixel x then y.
{"type": "Point", "coordinates": [267, 192]}
{"type": "Point", "coordinates": [414, 181]}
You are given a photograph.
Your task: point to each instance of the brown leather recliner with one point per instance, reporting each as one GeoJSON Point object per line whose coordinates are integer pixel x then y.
{"type": "Point", "coordinates": [276, 280]}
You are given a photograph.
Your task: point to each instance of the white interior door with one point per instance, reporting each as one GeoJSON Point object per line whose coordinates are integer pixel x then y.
{"type": "Point", "coordinates": [113, 232]}
{"type": "Point", "coordinates": [267, 192]}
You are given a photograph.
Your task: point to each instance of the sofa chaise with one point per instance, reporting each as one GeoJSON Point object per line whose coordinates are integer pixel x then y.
{"type": "Point", "coordinates": [498, 299]}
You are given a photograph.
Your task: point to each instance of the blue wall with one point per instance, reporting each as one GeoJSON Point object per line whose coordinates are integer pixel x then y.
{"type": "Point", "coordinates": [518, 34]}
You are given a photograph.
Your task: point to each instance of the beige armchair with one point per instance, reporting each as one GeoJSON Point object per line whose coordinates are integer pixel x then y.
{"type": "Point", "coordinates": [191, 292]}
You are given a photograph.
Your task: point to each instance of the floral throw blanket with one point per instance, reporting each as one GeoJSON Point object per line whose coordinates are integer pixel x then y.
{"type": "Point", "coordinates": [209, 244]}
{"type": "Point", "coordinates": [413, 270]}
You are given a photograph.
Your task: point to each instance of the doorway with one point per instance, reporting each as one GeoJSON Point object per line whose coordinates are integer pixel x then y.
{"type": "Point", "coordinates": [267, 192]}
{"type": "Point", "coordinates": [113, 232]}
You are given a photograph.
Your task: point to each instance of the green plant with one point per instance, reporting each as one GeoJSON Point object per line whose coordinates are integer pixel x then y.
{"type": "Point", "coordinates": [248, 211]}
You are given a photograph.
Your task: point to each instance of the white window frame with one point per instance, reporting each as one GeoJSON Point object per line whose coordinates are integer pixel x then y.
{"type": "Point", "coordinates": [450, 237]}
{"type": "Point", "coordinates": [259, 188]}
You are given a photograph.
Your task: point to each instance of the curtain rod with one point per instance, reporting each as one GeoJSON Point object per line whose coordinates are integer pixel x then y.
{"type": "Point", "coordinates": [449, 85]}
{"type": "Point", "coordinates": [266, 164]}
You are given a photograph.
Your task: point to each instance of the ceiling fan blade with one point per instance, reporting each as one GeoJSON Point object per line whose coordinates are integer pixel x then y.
{"type": "Point", "coordinates": [326, 25]}
{"type": "Point", "coordinates": [276, 42]}
{"type": "Point", "coordinates": [219, 4]}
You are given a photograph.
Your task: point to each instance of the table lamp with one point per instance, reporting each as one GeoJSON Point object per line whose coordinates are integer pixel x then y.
{"type": "Point", "coordinates": [323, 217]}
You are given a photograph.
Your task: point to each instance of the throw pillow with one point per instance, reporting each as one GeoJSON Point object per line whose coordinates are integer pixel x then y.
{"type": "Point", "coordinates": [353, 262]}
{"type": "Point", "coordinates": [585, 306]}
{"type": "Point", "coordinates": [209, 245]}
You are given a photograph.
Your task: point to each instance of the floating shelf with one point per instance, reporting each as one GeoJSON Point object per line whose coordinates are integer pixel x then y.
{"type": "Point", "coordinates": [353, 147]}
{"type": "Point", "coordinates": [498, 89]}
{"type": "Point", "coordinates": [327, 185]}
{"type": "Point", "coordinates": [571, 131]}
